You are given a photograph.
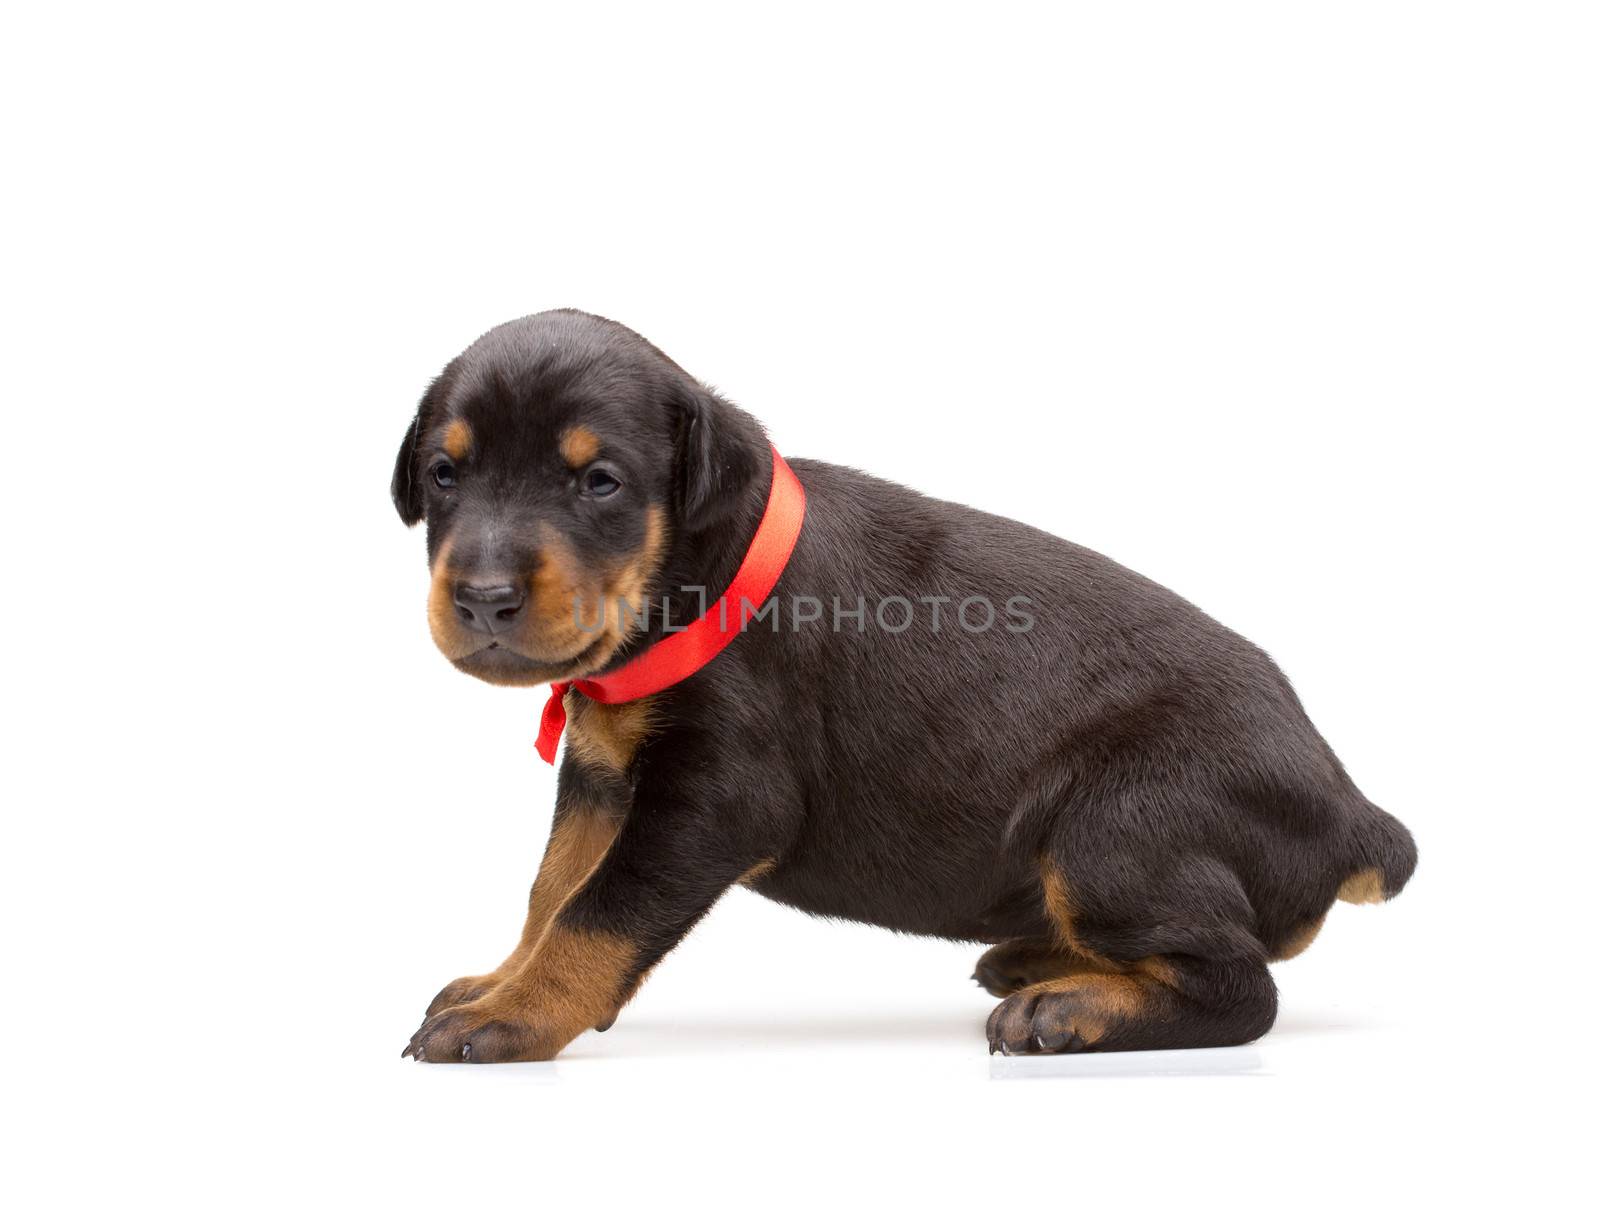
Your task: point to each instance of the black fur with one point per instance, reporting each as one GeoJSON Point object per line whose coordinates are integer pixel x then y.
{"type": "Point", "coordinates": [1157, 764]}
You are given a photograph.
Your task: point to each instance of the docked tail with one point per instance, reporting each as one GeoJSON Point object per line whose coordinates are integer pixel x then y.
{"type": "Point", "coordinates": [1382, 854]}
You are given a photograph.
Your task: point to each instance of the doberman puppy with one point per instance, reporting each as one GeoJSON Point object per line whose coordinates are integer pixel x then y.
{"type": "Point", "coordinates": [939, 721]}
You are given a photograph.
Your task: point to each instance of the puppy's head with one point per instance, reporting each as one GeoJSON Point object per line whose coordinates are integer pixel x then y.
{"type": "Point", "coordinates": [556, 461]}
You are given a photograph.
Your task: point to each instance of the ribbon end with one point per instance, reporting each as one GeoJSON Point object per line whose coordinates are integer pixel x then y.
{"type": "Point", "coordinates": [551, 723]}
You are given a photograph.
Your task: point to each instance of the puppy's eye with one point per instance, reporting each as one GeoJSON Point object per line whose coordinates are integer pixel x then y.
{"type": "Point", "coordinates": [601, 483]}
{"type": "Point", "coordinates": [444, 474]}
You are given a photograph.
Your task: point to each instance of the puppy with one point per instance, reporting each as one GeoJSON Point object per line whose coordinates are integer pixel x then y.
{"type": "Point", "coordinates": [919, 716]}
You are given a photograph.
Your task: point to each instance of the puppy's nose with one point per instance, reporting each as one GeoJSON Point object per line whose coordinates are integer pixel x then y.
{"type": "Point", "coordinates": [489, 608]}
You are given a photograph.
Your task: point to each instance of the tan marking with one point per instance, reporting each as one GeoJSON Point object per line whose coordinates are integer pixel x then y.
{"type": "Point", "coordinates": [442, 606]}
{"type": "Point", "coordinates": [579, 840]}
{"type": "Point", "coordinates": [1363, 888]}
{"type": "Point", "coordinates": [1106, 999]}
{"type": "Point", "coordinates": [1158, 970]}
{"type": "Point", "coordinates": [754, 874]}
{"type": "Point", "coordinates": [1298, 940]}
{"type": "Point", "coordinates": [571, 619]}
{"type": "Point", "coordinates": [1115, 996]}
{"type": "Point", "coordinates": [1058, 902]}
{"type": "Point", "coordinates": [607, 736]}
{"type": "Point", "coordinates": [631, 581]}
{"type": "Point", "coordinates": [557, 601]}
{"type": "Point", "coordinates": [457, 441]}
{"type": "Point", "coordinates": [574, 981]}
{"type": "Point", "coordinates": [579, 446]}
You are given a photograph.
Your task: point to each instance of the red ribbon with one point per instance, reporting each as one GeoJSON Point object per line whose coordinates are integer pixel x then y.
{"type": "Point", "coordinates": [669, 660]}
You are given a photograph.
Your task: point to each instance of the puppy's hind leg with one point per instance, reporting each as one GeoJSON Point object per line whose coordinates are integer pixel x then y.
{"type": "Point", "coordinates": [1175, 966]}
{"type": "Point", "coordinates": [1163, 1003]}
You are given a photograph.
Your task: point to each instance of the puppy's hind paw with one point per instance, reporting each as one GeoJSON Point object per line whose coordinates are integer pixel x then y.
{"type": "Point", "coordinates": [1040, 1022]}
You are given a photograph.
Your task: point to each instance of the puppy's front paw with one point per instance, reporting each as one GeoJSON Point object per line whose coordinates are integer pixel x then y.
{"type": "Point", "coordinates": [462, 990]}
{"type": "Point", "coordinates": [484, 1031]}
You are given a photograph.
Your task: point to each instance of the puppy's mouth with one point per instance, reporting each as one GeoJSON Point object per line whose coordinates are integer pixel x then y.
{"type": "Point", "coordinates": [498, 662]}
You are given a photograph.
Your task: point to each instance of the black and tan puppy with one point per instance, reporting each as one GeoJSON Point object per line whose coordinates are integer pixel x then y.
{"type": "Point", "coordinates": [1048, 753]}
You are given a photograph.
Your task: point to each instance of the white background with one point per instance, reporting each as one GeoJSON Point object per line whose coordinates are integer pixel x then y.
{"type": "Point", "coordinates": [1290, 307]}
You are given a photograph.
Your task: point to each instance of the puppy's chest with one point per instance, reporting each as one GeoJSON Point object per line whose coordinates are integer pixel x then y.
{"type": "Point", "coordinates": [606, 737]}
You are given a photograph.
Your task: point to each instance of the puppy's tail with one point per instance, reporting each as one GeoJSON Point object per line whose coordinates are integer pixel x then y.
{"type": "Point", "coordinates": [1381, 854]}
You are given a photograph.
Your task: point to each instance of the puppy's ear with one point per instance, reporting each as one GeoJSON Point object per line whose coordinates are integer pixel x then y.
{"type": "Point", "coordinates": [405, 488]}
{"type": "Point", "coordinates": [719, 452]}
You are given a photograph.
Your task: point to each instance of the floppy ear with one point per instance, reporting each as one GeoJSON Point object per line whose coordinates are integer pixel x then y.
{"type": "Point", "coordinates": [405, 488]}
{"type": "Point", "coordinates": [719, 451]}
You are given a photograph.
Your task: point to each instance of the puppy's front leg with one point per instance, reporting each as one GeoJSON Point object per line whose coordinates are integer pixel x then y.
{"type": "Point", "coordinates": [590, 807]}
{"type": "Point", "coordinates": [666, 868]}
